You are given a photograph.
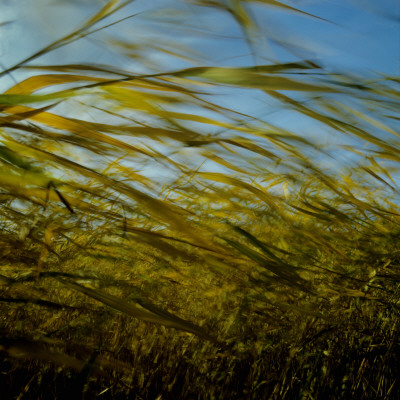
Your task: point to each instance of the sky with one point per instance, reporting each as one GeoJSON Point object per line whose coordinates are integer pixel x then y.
{"type": "Point", "coordinates": [351, 34]}
{"type": "Point", "coordinates": [361, 37]}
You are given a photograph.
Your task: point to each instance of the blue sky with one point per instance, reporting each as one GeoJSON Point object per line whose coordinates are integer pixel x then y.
{"type": "Point", "coordinates": [360, 35]}
{"type": "Point", "coordinates": [352, 36]}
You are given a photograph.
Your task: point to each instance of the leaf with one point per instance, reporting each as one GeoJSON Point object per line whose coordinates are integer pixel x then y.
{"type": "Point", "coordinates": [79, 128]}
{"type": "Point", "coordinates": [284, 271]}
{"type": "Point", "coordinates": [157, 315]}
{"type": "Point", "coordinates": [284, 6]}
{"type": "Point", "coordinates": [219, 177]}
{"type": "Point", "coordinates": [33, 83]}
{"type": "Point", "coordinates": [251, 77]}
{"type": "Point", "coordinates": [27, 348]}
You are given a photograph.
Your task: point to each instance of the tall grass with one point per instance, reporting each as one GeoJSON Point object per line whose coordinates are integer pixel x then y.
{"type": "Point", "coordinates": [159, 244]}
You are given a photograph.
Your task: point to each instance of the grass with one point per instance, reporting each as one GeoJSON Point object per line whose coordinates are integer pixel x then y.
{"type": "Point", "coordinates": [157, 244]}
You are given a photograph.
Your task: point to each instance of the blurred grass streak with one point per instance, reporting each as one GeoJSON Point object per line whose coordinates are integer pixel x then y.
{"type": "Point", "coordinates": [273, 260]}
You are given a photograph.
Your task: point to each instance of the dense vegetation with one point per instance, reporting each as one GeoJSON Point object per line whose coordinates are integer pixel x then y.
{"type": "Point", "coordinates": [160, 243]}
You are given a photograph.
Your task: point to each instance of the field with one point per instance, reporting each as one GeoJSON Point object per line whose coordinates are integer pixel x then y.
{"type": "Point", "coordinates": [160, 243]}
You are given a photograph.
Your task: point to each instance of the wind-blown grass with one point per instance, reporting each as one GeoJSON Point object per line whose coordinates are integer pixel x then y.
{"type": "Point", "coordinates": [157, 244]}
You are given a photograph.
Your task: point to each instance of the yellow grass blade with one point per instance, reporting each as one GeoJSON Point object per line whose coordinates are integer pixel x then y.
{"type": "Point", "coordinates": [157, 317]}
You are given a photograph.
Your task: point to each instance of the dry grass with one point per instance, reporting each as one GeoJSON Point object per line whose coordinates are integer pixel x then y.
{"type": "Point", "coordinates": [254, 266]}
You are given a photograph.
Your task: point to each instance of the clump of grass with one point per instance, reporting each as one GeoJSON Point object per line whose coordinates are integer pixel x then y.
{"type": "Point", "coordinates": [250, 268]}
